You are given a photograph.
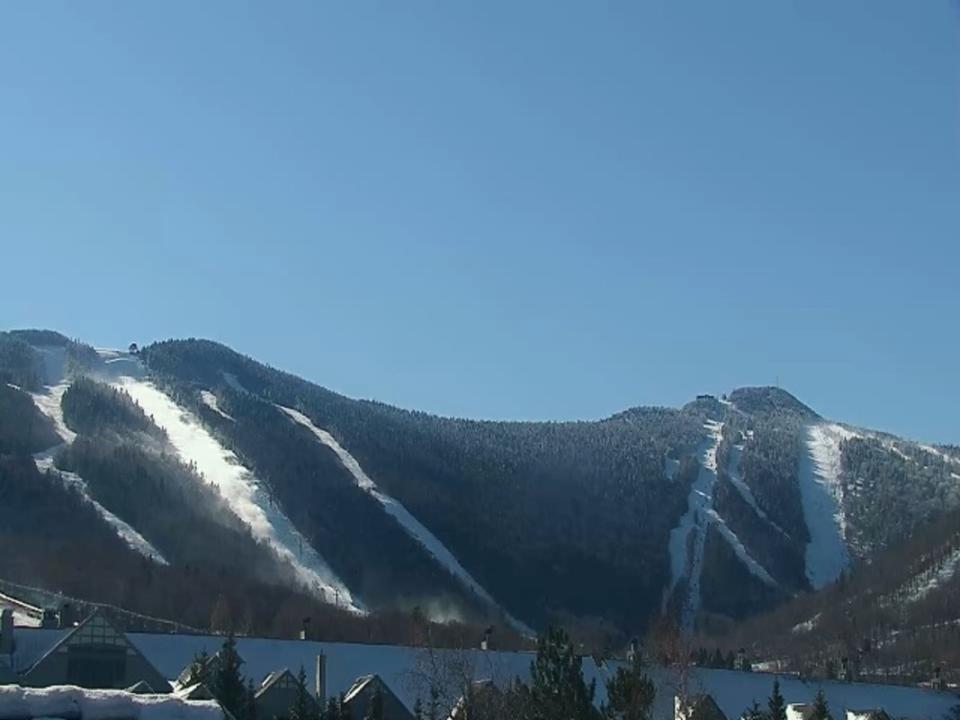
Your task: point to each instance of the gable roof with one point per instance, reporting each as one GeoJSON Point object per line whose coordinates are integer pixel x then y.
{"type": "Point", "coordinates": [95, 630]}
{"type": "Point", "coordinates": [358, 685]}
{"type": "Point", "coordinates": [282, 678]}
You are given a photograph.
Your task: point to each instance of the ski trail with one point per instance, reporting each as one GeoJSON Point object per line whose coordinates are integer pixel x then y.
{"type": "Point", "coordinates": [740, 549]}
{"type": "Point", "coordinates": [243, 493]}
{"type": "Point", "coordinates": [822, 496]}
{"type": "Point", "coordinates": [49, 404]}
{"type": "Point", "coordinates": [693, 524]}
{"type": "Point", "coordinates": [131, 537]}
{"type": "Point", "coordinates": [407, 521]}
{"type": "Point", "coordinates": [733, 473]}
{"type": "Point", "coordinates": [210, 400]}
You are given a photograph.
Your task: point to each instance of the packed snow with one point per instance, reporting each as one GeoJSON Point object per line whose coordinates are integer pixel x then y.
{"type": "Point", "coordinates": [407, 521]}
{"type": "Point", "coordinates": [131, 537]}
{"type": "Point", "coordinates": [693, 525]}
{"type": "Point", "coordinates": [49, 403]}
{"type": "Point", "coordinates": [821, 495]}
{"type": "Point", "coordinates": [242, 491]}
{"type": "Point", "coordinates": [67, 701]}
{"type": "Point", "coordinates": [738, 547]}
{"type": "Point", "coordinates": [210, 400]}
{"type": "Point", "coordinates": [733, 473]}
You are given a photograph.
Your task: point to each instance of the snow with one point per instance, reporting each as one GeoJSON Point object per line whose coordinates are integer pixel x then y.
{"type": "Point", "coordinates": [67, 701]}
{"type": "Point", "coordinates": [242, 491]}
{"type": "Point", "coordinates": [694, 524]}
{"type": "Point", "coordinates": [822, 498]}
{"type": "Point", "coordinates": [210, 400]}
{"type": "Point", "coordinates": [738, 547]}
{"type": "Point", "coordinates": [806, 626]}
{"type": "Point", "coordinates": [131, 537]}
{"type": "Point", "coordinates": [398, 666]}
{"type": "Point", "coordinates": [733, 473]}
{"type": "Point", "coordinates": [935, 577]}
{"type": "Point", "coordinates": [407, 521]}
{"type": "Point", "coordinates": [49, 403]}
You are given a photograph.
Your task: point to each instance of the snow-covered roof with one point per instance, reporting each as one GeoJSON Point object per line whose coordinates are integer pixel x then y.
{"type": "Point", "coordinates": [68, 701]}
{"type": "Point", "coordinates": [396, 665]}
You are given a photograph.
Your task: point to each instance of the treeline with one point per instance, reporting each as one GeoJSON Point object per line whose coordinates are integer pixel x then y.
{"type": "Point", "coordinates": [893, 618]}
{"type": "Point", "coordinates": [92, 408]}
{"type": "Point", "coordinates": [537, 512]}
{"type": "Point", "coordinates": [889, 493]}
{"type": "Point", "coordinates": [23, 428]}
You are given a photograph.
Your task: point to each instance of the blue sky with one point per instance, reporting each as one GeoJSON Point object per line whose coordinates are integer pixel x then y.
{"type": "Point", "coordinates": [501, 209]}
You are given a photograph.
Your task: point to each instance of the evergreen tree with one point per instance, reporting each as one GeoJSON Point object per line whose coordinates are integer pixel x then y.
{"type": "Point", "coordinates": [418, 710]}
{"type": "Point", "coordinates": [198, 668]}
{"type": "Point", "coordinates": [630, 692]}
{"type": "Point", "coordinates": [557, 688]}
{"type": "Point", "coordinates": [249, 703]}
{"type": "Point", "coordinates": [333, 710]}
{"type": "Point", "coordinates": [226, 682]}
{"type": "Point", "coordinates": [776, 704]}
{"type": "Point", "coordinates": [754, 712]}
{"type": "Point", "coordinates": [820, 709]}
{"type": "Point", "coordinates": [302, 707]}
{"type": "Point", "coordinates": [375, 711]}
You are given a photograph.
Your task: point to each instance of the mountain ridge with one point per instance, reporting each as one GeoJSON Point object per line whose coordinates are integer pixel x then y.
{"type": "Point", "coordinates": [549, 520]}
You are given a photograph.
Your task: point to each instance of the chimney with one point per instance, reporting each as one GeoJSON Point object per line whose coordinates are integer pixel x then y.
{"type": "Point", "coordinates": [321, 680]}
{"type": "Point", "coordinates": [6, 632]}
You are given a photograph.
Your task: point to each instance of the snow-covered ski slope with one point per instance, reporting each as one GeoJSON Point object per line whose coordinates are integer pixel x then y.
{"type": "Point", "coordinates": [49, 403]}
{"type": "Point", "coordinates": [827, 555]}
{"type": "Point", "coordinates": [407, 521]}
{"type": "Point", "coordinates": [688, 538]}
{"type": "Point", "coordinates": [244, 494]}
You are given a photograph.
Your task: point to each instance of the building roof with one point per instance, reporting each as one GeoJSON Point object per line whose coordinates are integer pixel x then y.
{"type": "Point", "coordinates": [273, 679]}
{"type": "Point", "coordinates": [358, 686]}
{"type": "Point", "coordinates": [732, 690]}
{"type": "Point", "coordinates": [67, 701]}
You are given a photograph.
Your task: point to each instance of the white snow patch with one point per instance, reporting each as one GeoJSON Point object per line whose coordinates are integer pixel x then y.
{"type": "Point", "coordinates": [243, 492]}
{"type": "Point", "coordinates": [935, 577]}
{"type": "Point", "coordinates": [210, 400]}
{"type": "Point", "coordinates": [407, 521]}
{"type": "Point", "coordinates": [822, 497]}
{"type": "Point", "coordinates": [733, 473]}
{"type": "Point", "coordinates": [135, 540]}
{"type": "Point", "coordinates": [738, 547]}
{"type": "Point", "coordinates": [806, 626]}
{"type": "Point", "coordinates": [67, 701]}
{"type": "Point", "coordinates": [13, 387]}
{"type": "Point", "coordinates": [693, 522]}
{"type": "Point", "coordinates": [49, 404]}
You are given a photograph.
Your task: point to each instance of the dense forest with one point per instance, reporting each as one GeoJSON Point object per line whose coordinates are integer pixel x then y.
{"type": "Point", "coordinates": [550, 517]}
{"type": "Point", "coordinates": [562, 522]}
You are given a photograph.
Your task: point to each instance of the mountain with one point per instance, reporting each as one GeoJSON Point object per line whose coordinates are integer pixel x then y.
{"type": "Point", "coordinates": [202, 462]}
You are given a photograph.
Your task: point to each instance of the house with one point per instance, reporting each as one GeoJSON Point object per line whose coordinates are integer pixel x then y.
{"type": "Point", "coordinates": [277, 694]}
{"type": "Point", "coordinates": [95, 654]}
{"type": "Point", "coordinates": [799, 711]}
{"type": "Point", "coordinates": [697, 707]}
{"type": "Point", "coordinates": [871, 714]}
{"type": "Point", "coordinates": [362, 694]}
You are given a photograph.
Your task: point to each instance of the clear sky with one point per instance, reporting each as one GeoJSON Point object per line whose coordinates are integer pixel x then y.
{"type": "Point", "coordinates": [501, 209]}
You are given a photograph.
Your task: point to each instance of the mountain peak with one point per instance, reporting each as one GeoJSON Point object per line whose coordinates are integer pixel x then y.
{"type": "Point", "coordinates": [768, 400]}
